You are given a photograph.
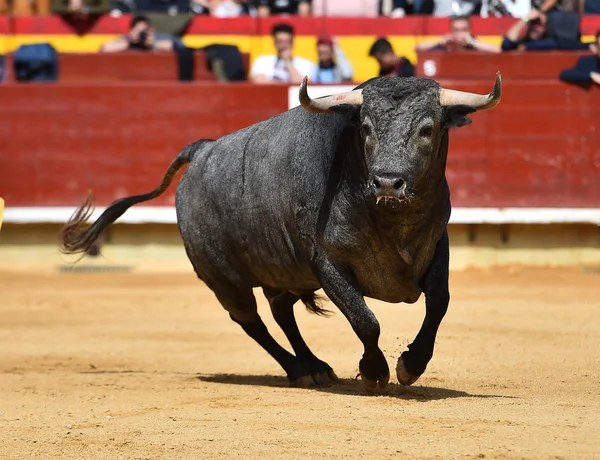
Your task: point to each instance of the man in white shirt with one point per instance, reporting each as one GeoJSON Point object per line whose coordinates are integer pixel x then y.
{"type": "Point", "coordinates": [282, 67]}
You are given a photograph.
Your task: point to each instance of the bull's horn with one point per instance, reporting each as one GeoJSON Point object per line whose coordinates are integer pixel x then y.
{"type": "Point", "coordinates": [324, 104]}
{"type": "Point", "coordinates": [479, 101]}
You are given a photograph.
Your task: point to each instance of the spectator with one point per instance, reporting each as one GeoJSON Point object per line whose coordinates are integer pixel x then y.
{"type": "Point", "coordinates": [201, 7]}
{"type": "Point", "coordinates": [531, 33]}
{"type": "Point", "coordinates": [459, 39]}
{"type": "Point", "coordinates": [333, 66]}
{"type": "Point", "coordinates": [170, 7]}
{"type": "Point", "coordinates": [500, 8]}
{"type": "Point", "coordinates": [587, 69]}
{"type": "Point", "coordinates": [390, 64]}
{"type": "Point", "coordinates": [445, 8]}
{"type": "Point", "coordinates": [142, 36]}
{"type": "Point", "coordinates": [295, 7]}
{"type": "Point", "coordinates": [392, 8]}
{"type": "Point", "coordinates": [233, 9]}
{"type": "Point", "coordinates": [549, 6]}
{"type": "Point", "coordinates": [284, 66]}
{"type": "Point", "coordinates": [79, 8]}
{"type": "Point", "coordinates": [591, 7]}
{"type": "Point", "coordinates": [400, 8]}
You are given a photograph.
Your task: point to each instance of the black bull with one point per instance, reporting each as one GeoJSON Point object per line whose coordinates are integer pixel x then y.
{"type": "Point", "coordinates": [346, 193]}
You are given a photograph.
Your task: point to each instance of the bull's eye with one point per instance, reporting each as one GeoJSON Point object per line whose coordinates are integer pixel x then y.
{"type": "Point", "coordinates": [426, 131]}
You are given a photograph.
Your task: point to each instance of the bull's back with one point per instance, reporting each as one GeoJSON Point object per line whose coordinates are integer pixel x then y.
{"type": "Point", "coordinates": [240, 201]}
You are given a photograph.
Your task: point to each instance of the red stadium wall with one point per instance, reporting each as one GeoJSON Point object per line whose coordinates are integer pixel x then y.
{"type": "Point", "coordinates": [116, 139]}
{"type": "Point", "coordinates": [539, 148]}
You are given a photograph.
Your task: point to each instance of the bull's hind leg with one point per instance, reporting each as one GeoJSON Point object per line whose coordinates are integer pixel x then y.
{"type": "Point", "coordinates": [241, 305]}
{"type": "Point", "coordinates": [310, 369]}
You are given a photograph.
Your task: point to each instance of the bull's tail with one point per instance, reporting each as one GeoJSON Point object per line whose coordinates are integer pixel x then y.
{"type": "Point", "coordinates": [313, 303]}
{"type": "Point", "coordinates": [74, 238]}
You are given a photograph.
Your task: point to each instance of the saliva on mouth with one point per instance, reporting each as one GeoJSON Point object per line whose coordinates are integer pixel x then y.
{"type": "Point", "coordinates": [388, 201]}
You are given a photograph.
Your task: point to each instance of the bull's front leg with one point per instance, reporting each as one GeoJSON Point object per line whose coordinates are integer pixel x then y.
{"type": "Point", "coordinates": [343, 289]}
{"type": "Point", "coordinates": [434, 285]}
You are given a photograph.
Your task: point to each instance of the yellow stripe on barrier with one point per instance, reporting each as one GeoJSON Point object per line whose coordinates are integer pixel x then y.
{"type": "Point", "coordinates": [356, 48]}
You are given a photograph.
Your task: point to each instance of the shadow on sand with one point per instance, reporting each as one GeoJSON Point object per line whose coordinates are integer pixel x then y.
{"type": "Point", "coordinates": [350, 387]}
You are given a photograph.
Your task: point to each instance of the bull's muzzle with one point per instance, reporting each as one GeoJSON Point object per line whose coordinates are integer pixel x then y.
{"type": "Point", "coordinates": [389, 187]}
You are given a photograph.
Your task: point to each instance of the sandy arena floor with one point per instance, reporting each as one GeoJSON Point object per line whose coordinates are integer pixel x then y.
{"type": "Point", "coordinates": [139, 366]}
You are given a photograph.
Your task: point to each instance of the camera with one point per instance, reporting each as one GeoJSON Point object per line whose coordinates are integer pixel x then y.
{"type": "Point", "coordinates": [143, 37]}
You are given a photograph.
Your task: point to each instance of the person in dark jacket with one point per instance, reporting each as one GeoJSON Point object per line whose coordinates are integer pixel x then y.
{"type": "Point", "coordinates": [390, 64]}
{"type": "Point", "coordinates": [587, 69]}
{"type": "Point", "coordinates": [531, 34]}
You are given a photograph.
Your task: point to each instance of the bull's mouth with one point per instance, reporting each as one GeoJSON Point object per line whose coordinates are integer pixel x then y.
{"type": "Point", "coordinates": [391, 200]}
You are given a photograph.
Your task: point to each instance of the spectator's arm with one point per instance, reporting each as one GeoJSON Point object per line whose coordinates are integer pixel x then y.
{"type": "Point", "coordinates": [163, 45]}
{"type": "Point", "coordinates": [343, 63]}
{"type": "Point", "coordinates": [540, 45]}
{"type": "Point", "coordinates": [296, 76]}
{"type": "Point", "coordinates": [508, 44]}
{"type": "Point", "coordinates": [258, 74]}
{"type": "Point", "coordinates": [581, 73]}
{"type": "Point", "coordinates": [304, 8]}
{"type": "Point", "coordinates": [516, 30]}
{"type": "Point", "coordinates": [548, 5]}
{"type": "Point", "coordinates": [427, 46]}
{"type": "Point", "coordinates": [485, 47]}
{"type": "Point", "coordinates": [576, 45]}
{"type": "Point", "coordinates": [115, 46]}
{"type": "Point", "coordinates": [576, 76]}
{"type": "Point", "coordinates": [201, 5]}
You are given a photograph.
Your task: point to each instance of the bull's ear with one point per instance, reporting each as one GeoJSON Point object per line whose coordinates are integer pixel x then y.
{"type": "Point", "coordinates": [455, 116]}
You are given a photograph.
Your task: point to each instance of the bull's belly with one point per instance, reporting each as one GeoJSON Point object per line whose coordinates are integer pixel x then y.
{"type": "Point", "coordinates": [390, 287]}
{"type": "Point", "coordinates": [283, 277]}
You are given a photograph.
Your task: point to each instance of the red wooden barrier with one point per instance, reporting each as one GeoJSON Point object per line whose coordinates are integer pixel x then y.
{"type": "Point", "coordinates": [513, 65]}
{"type": "Point", "coordinates": [127, 66]}
{"type": "Point", "coordinates": [539, 148]}
{"type": "Point", "coordinates": [61, 140]}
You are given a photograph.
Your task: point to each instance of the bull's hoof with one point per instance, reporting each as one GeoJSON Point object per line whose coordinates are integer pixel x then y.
{"type": "Point", "coordinates": [404, 377]}
{"type": "Point", "coordinates": [312, 374]}
{"type": "Point", "coordinates": [372, 385]}
{"type": "Point", "coordinates": [374, 371]}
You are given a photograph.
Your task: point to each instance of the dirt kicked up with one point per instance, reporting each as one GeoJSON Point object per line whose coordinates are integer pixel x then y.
{"type": "Point", "coordinates": [148, 366]}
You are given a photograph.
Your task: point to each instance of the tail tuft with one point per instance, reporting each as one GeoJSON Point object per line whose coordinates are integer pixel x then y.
{"type": "Point", "coordinates": [313, 304]}
{"type": "Point", "coordinates": [73, 237]}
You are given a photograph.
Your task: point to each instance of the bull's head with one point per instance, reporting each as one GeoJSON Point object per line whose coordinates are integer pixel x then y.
{"type": "Point", "coordinates": [404, 127]}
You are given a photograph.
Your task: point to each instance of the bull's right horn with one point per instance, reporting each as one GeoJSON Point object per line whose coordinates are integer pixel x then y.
{"type": "Point", "coordinates": [479, 101]}
{"type": "Point", "coordinates": [324, 104]}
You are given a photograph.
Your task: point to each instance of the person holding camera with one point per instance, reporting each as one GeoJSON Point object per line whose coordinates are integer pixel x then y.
{"type": "Point", "coordinates": [141, 36]}
{"type": "Point", "coordinates": [532, 33]}
{"type": "Point", "coordinates": [529, 33]}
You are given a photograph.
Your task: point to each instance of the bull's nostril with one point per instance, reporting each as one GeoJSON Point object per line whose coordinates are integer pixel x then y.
{"type": "Point", "coordinates": [399, 184]}
{"type": "Point", "coordinates": [376, 183]}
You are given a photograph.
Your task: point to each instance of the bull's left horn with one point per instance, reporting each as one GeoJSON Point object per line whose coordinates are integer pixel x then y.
{"type": "Point", "coordinates": [479, 101]}
{"type": "Point", "coordinates": [324, 104]}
